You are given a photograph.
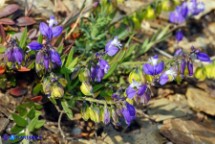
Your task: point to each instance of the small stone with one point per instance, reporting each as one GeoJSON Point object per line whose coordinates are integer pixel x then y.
{"type": "Point", "coordinates": [188, 132]}
{"type": "Point", "coordinates": [200, 101]}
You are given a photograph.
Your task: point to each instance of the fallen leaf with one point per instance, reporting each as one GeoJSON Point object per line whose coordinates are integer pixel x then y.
{"type": "Point", "coordinates": [2, 32]}
{"type": "Point", "coordinates": [7, 21]}
{"type": "Point", "coordinates": [17, 91]}
{"type": "Point", "coordinates": [2, 69]}
{"type": "Point", "coordinates": [23, 69]}
{"type": "Point", "coordinates": [25, 21]}
{"type": "Point", "coordinates": [37, 98]}
{"type": "Point", "coordinates": [8, 10]}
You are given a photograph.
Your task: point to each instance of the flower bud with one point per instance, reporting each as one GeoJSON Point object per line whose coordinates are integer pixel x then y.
{"type": "Point", "coordinates": [149, 13]}
{"type": "Point", "coordinates": [86, 89]}
{"type": "Point", "coordinates": [167, 5]}
{"type": "Point", "coordinates": [85, 112]}
{"type": "Point", "coordinates": [56, 92]}
{"type": "Point", "coordinates": [136, 75]}
{"type": "Point", "coordinates": [84, 75]}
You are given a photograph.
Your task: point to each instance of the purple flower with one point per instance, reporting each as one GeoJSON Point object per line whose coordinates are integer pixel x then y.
{"type": "Point", "coordinates": [179, 15]}
{"type": "Point", "coordinates": [203, 57]}
{"type": "Point", "coordinates": [178, 52]}
{"type": "Point", "coordinates": [138, 91]}
{"type": "Point", "coordinates": [112, 47]}
{"type": "Point", "coordinates": [129, 113]}
{"type": "Point", "coordinates": [34, 45]}
{"type": "Point", "coordinates": [49, 31]}
{"type": "Point", "coordinates": [181, 12]}
{"type": "Point", "coordinates": [103, 64]}
{"type": "Point", "coordinates": [106, 116]}
{"type": "Point", "coordinates": [168, 75]}
{"type": "Point", "coordinates": [98, 71]}
{"type": "Point", "coordinates": [14, 54]}
{"type": "Point", "coordinates": [190, 68]}
{"type": "Point", "coordinates": [194, 7]}
{"type": "Point", "coordinates": [199, 55]}
{"type": "Point", "coordinates": [179, 35]}
{"type": "Point", "coordinates": [48, 59]}
{"type": "Point", "coordinates": [183, 66]}
{"type": "Point", "coordinates": [55, 57]}
{"type": "Point", "coordinates": [153, 67]}
{"type": "Point", "coordinates": [135, 88]}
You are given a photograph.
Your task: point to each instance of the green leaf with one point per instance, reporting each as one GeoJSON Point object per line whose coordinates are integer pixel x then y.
{"type": "Point", "coordinates": [31, 125]}
{"type": "Point", "coordinates": [23, 38]}
{"type": "Point", "coordinates": [40, 123]}
{"type": "Point", "coordinates": [37, 89]}
{"type": "Point", "coordinates": [16, 129]}
{"type": "Point", "coordinates": [31, 113]}
{"type": "Point", "coordinates": [66, 108]}
{"type": "Point", "coordinates": [40, 38]}
{"type": "Point", "coordinates": [60, 49]}
{"type": "Point", "coordinates": [21, 110]}
{"type": "Point", "coordinates": [70, 57]}
{"type": "Point", "coordinates": [20, 121]}
{"type": "Point", "coordinates": [73, 63]}
{"type": "Point", "coordinates": [2, 49]}
{"type": "Point", "coordinates": [35, 124]}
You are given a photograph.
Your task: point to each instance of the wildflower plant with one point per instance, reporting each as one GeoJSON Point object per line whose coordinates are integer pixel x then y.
{"type": "Point", "coordinates": [92, 71]}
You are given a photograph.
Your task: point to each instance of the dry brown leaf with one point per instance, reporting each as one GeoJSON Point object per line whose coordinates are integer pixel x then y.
{"type": "Point", "coordinates": [25, 21]}
{"type": "Point", "coordinates": [8, 10]}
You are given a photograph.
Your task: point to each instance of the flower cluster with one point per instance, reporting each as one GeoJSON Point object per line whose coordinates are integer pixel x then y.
{"type": "Point", "coordinates": [155, 71]}
{"type": "Point", "coordinates": [47, 57]}
{"type": "Point", "coordinates": [98, 71]}
{"type": "Point", "coordinates": [186, 9]}
{"type": "Point", "coordinates": [14, 53]}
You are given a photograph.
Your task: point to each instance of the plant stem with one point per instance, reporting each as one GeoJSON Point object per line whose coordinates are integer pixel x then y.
{"type": "Point", "coordinates": [104, 102]}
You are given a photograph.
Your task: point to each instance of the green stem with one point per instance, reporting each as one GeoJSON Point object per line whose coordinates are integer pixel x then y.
{"type": "Point", "coordinates": [104, 102]}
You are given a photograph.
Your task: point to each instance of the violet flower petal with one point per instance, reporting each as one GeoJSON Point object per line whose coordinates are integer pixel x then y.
{"type": "Point", "coordinates": [203, 57]}
{"type": "Point", "coordinates": [159, 68]}
{"type": "Point", "coordinates": [34, 45]}
{"type": "Point", "coordinates": [190, 68]}
{"type": "Point", "coordinates": [130, 92]}
{"type": "Point", "coordinates": [46, 30]}
{"type": "Point", "coordinates": [56, 31]}
{"type": "Point", "coordinates": [148, 69]}
{"type": "Point", "coordinates": [55, 57]}
{"type": "Point", "coordinates": [163, 79]}
{"type": "Point", "coordinates": [141, 90]}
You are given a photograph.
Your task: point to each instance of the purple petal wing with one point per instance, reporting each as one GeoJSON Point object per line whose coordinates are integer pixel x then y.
{"type": "Point", "coordinates": [46, 62]}
{"type": "Point", "coordinates": [9, 55]}
{"type": "Point", "coordinates": [190, 68]}
{"type": "Point", "coordinates": [183, 66]}
{"type": "Point", "coordinates": [126, 116]}
{"type": "Point", "coordinates": [104, 65]}
{"type": "Point", "coordinates": [163, 79]}
{"type": "Point", "coordinates": [159, 68]}
{"type": "Point", "coordinates": [141, 90]}
{"type": "Point", "coordinates": [46, 30]}
{"type": "Point", "coordinates": [34, 45]}
{"type": "Point", "coordinates": [148, 69]}
{"type": "Point", "coordinates": [179, 35]}
{"type": "Point", "coordinates": [18, 55]}
{"type": "Point", "coordinates": [55, 57]}
{"type": "Point", "coordinates": [131, 109]}
{"type": "Point", "coordinates": [106, 116]}
{"type": "Point", "coordinates": [110, 49]}
{"type": "Point", "coordinates": [130, 92]}
{"type": "Point", "coordinates": [56, 31]}
{"type": "Point", "coordinates": [203, 57]}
